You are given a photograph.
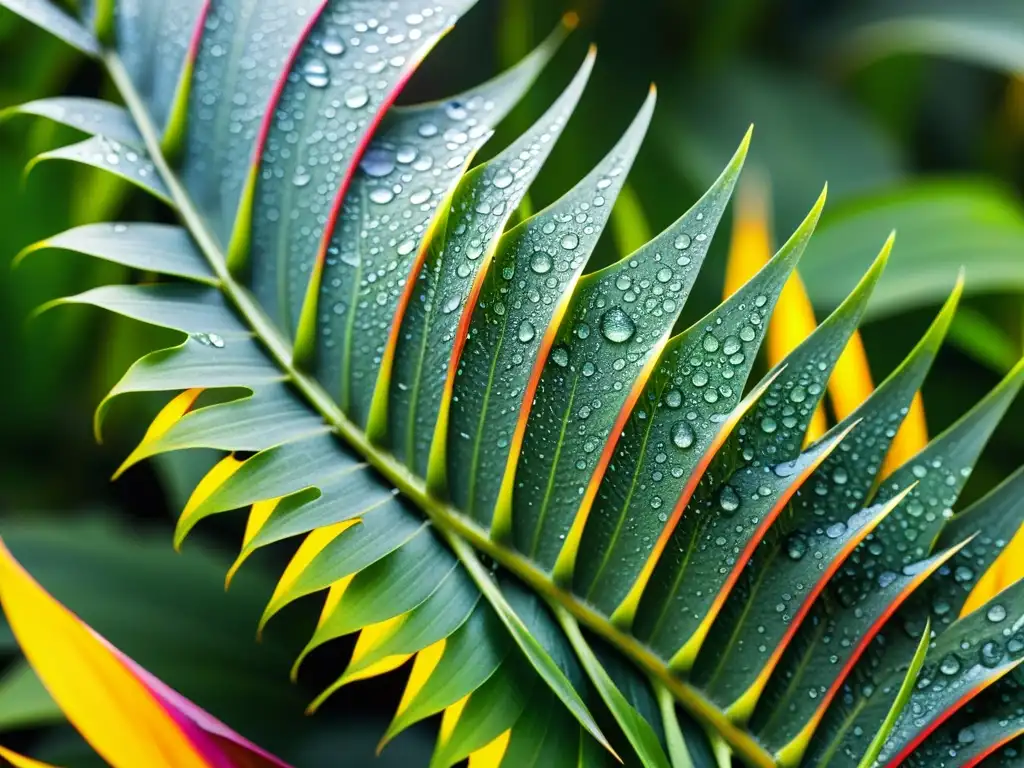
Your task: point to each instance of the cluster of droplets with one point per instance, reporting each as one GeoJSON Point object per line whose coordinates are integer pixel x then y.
{"type": "Point", "coordinates": [353, 58]}
{"type": "Point", "coordinates": [234, 77]}
{"type": "Point", "coordinates": [152, 40]}
{"type": "Point", "coordinates": [131, 162]}
{"type": "Point", "coordinates": [957, 664]}
{"type": "Point", "coordinates": [403, 177]}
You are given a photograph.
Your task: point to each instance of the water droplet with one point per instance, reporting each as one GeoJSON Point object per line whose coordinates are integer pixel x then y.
{"type": "Point", "coordinates": [728, 500]}
{"type": "Point", "coordinates": [560, 356]}
{"type": "Point", "coordinates": [540, 262]}
{"type": "Point", "coordinates": [710, 343]}
{"type": "Point", "coordinates": [332, 44]}
{"type": "Point", "coordinates": [570, 241]}
{"type": "Point", "coordinates": [796, 546]}
{"type": "Point", "coordinates": [382, 195]}
{"type": "Point", "coordinates": [835, 530]}
{"type": "Point", "coordinates": [526, 331]}
{"type": "Point", "coordinates": [996, 613]}
{"type": "Point", "coordinates": [617, 326]}
{"type": "Point", "coordinates": [768, 425]}
{"type": "Point", "coordinates": [682, 435]}
{"type": "Point", "coordinates": [378, 162]}
{"type": "Point", "coordinates": [503, 179]}
{"type": "Point", "coordinates": [356, 97]}
{"type": "Point", "coordinates": [682, 242]}
{"type": "Point", "coordinates": [950, 665]}
{"type": "Point", "coordinates": [315, 73]}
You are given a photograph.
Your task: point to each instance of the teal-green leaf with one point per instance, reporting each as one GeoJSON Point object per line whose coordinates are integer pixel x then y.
{"type": "Point", "coordinates": [381, 531]}
{"type": "Point", "coordinates": [226, 361]}
{"type": "Point", "coordinates": [353, 294]}
{"type": "Point", "coordinates": [811, 671]}
{"type": "Point", "coordinates": [191, 309]}
{"type": "Point", "coordinates": [154, 42]}
{"type": "Point", "coordinates": [857, 725]}
{"type": "Point", "coordinates": [342, 496]}
{"type": "Point", "coordinates": [491, 710]}
{"type": "Point", "coordinates": [92, 116]}
{"type": "Point", "coordinates": [235, 72]}
{"type": "Point", "coordinates": [540, 259]}
{"type": "Point", "coordinates": [161, 248]}
{"type": "Point", "coordinates": [129, 163]}
{"type": "Point", "coordinates": [58, 23]}
{"type": "Point", "coordinates": [939, 223]}
{"type": "Point", "coordinates": [940, 472]}
{"type": "Point", "coordinates": [633, 724]}
{"type": "Point", "coordinates": [394, 585]}
{"type": "Point", "coordinates": [535, 652]}
{"type": "Point", "coordinates": [459, 257]}
{"type": "Point", "coordinates": [988, 726]}
{"type": "Point", "coordinates": [269, 416]}
{"type": "Point", "coordinates": [673, 430]}
{"type": "Point", "coordinates": [276, 472]}
{"type": "Point", "coordinates": [344, 76]}
{"type": "Point", "coordinates": [606, 345]}
{"type": "Point", "coordinates": [965, 659]}
{"type": "Point", "coordinates": [439, 616]}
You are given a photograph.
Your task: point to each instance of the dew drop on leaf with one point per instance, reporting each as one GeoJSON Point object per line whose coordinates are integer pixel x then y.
{"type": "Point", "coordinates": [378, 162]}
{"type": "Point", "coordinates": [617, 326]}
{"type": "Point", "coordinates": [682, 435]}
{"type": "Point", "coordinates": [356, 97]}
{"type": "Point", "coordinates": [728, 500]}
{"type": "Point", "coordinates": [540, 262]}
{"type": "Point", "coordinates": [315, 73]}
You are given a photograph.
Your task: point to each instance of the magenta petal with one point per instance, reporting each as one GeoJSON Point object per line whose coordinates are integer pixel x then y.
{"type": "Point", "coordinates": [219, 745]}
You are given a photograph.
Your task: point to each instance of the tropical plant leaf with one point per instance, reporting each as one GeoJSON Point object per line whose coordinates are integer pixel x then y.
{"type": "Point", "coordinates": [936, 221]}
{"type": "Point", "coordinates": [989, 33]}
{"type": "Point", "coordinates": [92, 116]}
{"type": "Point", "coordinates": [574, 528]}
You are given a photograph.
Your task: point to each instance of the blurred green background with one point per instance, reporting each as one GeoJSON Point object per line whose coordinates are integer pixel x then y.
{"type": "Point", "coordinates": [912, 111]}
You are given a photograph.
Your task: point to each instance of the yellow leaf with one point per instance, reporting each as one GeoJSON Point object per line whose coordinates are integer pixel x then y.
{"type": "Point", "coordinates": [491, 755]}
{"type": "Point", "coordinates": [19, 761]}
{"type": "Point", "coordinates": [100, 695]}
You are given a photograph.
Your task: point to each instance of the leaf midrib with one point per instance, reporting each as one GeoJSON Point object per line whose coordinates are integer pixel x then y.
{"type": "Point", "coordinates": [457, 530]}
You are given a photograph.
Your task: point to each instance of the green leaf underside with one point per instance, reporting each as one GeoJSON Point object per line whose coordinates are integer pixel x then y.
{"type": "Point", "coordinates": [547, 427]}
{"type": "Point", "coordinates": [129, 163]}
{"type": "Point", "coordinates": [160, 248]}
{"type": "Point", "coordinates": [92, 116]}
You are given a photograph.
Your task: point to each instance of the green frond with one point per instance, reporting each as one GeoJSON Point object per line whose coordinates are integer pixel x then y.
{"type": "Point", "coordinates": [587, 536]}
